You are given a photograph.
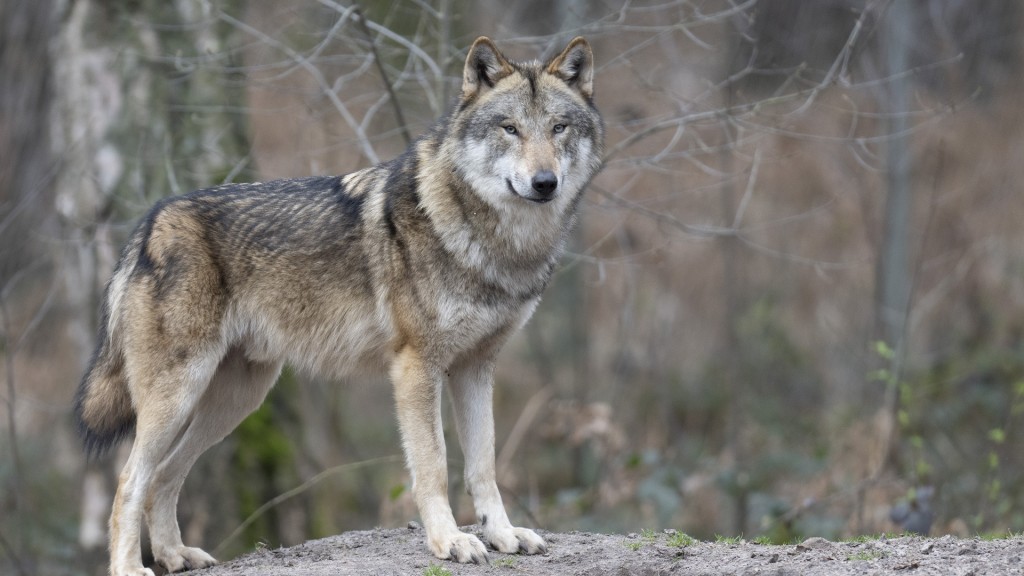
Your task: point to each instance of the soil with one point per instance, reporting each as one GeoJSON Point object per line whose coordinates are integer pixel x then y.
{"type": "Point", "coordinates": [389, 552]}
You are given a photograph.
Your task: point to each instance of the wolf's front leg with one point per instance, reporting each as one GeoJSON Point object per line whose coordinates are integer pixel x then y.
{"type": "Point", "coordinates": [471, 388]}
{"type": "Point", "coordinates": [418, 398]}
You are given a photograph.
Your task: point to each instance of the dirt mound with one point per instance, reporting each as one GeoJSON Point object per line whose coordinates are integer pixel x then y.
{"type": "Point", "coordinates": [403, 552]}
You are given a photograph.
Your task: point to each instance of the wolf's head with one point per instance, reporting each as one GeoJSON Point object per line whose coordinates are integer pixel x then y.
{"type": "Point", "coordinates": [527, 133]}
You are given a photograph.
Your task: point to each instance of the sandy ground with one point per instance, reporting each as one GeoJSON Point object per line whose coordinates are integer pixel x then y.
{"type": "Point", "coordinates": [403, 552]}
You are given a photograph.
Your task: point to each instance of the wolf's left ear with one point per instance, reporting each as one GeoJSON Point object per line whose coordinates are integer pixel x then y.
{"type": "Point", "coordinates": [575, 65]}
{"type": "Point", "coordinates": [485, 65]}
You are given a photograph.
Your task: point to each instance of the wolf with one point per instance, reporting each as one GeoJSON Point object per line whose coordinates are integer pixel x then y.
{"type": "Point", "coordinates": [421, 267]}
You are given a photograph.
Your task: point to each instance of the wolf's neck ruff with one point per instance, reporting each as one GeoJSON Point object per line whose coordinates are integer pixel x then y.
{"type": "Point", "coordinates": [513, 246]}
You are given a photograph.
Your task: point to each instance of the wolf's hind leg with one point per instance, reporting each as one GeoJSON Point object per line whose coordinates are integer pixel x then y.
{"type": "Point", "coordinates": [237, 388]}
{"type": "Point", "coordinates": [472, 396]}
{"type": "Point", "coordinates": [169, 398]}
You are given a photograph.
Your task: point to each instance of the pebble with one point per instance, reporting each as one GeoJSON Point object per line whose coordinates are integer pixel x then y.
{"type": "Point", "coordinates": [814, 543]}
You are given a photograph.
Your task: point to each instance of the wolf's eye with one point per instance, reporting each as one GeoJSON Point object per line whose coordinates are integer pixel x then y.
{"type": "Point", "coordinates": [511, 130]}
{"type": "Point", "coordinates": [559, 128]}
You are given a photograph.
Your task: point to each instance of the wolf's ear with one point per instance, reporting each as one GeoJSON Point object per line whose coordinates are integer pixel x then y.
{"type": "Point", "coordinates": [484, 67]}
{"type": "Point", "coordinates": [575, 65]}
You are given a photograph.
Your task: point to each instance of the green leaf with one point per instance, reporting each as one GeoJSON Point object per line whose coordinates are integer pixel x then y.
{"type": "Point", "coordinates": [923, 468]}
{"type": "Point", "coordinates": [904, 418]}
{"type": "Point", "coordinates": [396, 492]}
{"type": "Point", "coordinates": [883, 350]}
{"type": "Point", "coordinates": [997, 435]}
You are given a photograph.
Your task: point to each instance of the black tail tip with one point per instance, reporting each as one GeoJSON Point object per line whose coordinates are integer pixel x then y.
{"type": "Point", "coordinates": [96, 443]}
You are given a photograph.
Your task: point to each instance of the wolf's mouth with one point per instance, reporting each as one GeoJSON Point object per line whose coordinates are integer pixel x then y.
{"type": "Point", "coordinates": [512, 189]}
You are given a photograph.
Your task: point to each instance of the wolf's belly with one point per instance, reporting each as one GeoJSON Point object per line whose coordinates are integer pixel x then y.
{"type": "Point", "coordinates": [330, 341]}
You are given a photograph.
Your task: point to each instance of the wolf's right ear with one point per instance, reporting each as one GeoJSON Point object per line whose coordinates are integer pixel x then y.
{"type": "Point", "coordinates": [484, 67]}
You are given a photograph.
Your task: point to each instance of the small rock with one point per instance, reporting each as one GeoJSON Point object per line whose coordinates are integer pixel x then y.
{"type": "Point", "coordinates": [413, 525]}
{"type": "Point", "coordinates": [773, 559]}
{"type": "Point", "coordinates": [814, 543]}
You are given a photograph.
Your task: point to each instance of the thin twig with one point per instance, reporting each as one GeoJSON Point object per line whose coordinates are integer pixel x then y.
{"type": "Point", "coordinates": [364, 141]}
{"type": "Point", "coordinates": [236, 169]}
{"type": "Point", "coordinates": [738, 219]}
{"type": "Point", "coordinates": [522, 426]}
{"type": "Point", "coordinates": [444, 40]}
{"type": "Point", "coordinates": [299, 490]}
{"type": "Point", "coordinates": [411, 46]}
{"type": "Point", "coordinates": [395, 104]}
{"type": "Point", "coordinates": [830, 76]}
{"type": "Point", "coordinates": [693, 229]}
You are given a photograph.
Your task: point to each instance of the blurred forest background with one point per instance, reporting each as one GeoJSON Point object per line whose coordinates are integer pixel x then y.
{"type": "Point", "coordinates": [794, 304]}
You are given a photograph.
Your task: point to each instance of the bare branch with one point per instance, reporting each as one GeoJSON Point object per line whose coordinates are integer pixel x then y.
{"type": "Point", "coordinates": [396, 105]}
{"type": "Point", "coordinates": [751, 180]}
{"type": "Point", "coordinates": [839, 62]}
{"type": "Point", "coordinates": [412, 47]}
{"type": "Point", "coordinates": [361, 137]}
{"type": "Point", "coordinates": [299, 490]}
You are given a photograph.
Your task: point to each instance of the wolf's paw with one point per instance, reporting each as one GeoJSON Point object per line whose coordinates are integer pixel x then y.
{"type": "Point", "coordinates": [460, 547]}
{"type": "Point", "coordinates": [139, 571]}
{"type": "Point", "coordinates": [511, 540]}
{"type": "Point", "coordinates": [183, 558]}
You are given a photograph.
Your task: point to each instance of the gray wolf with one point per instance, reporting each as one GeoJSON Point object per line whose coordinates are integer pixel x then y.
{"type": "Point", "coordinates": [422, 266]}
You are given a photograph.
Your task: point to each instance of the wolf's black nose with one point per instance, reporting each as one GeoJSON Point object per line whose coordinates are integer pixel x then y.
{"type": "Point", "coordinates": [545, 182]}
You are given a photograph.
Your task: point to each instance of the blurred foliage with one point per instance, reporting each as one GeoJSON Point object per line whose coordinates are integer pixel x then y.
{"type": "Point", "coordinates": [960, 421]}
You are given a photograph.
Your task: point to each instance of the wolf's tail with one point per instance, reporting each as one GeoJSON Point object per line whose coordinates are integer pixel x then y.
{"type": "Point", "coordinates": [103, 405]}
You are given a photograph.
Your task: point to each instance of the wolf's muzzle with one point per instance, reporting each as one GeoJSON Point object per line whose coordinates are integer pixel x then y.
{"type": "Point", "coordinates": [536, 196]}
{"type": "Point", "coordinates": [544, 184]}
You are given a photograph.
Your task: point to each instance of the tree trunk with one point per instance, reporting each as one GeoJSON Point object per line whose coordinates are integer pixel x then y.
{"type": "Point", "coordinates": [894, 277]}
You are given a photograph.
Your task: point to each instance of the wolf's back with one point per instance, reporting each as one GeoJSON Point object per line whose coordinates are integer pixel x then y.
{"type": "Point", "coordinates": [103, 406]}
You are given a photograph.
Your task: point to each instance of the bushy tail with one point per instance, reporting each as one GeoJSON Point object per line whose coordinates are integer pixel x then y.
{"type": "Point", "coordinates": [103, 404]}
